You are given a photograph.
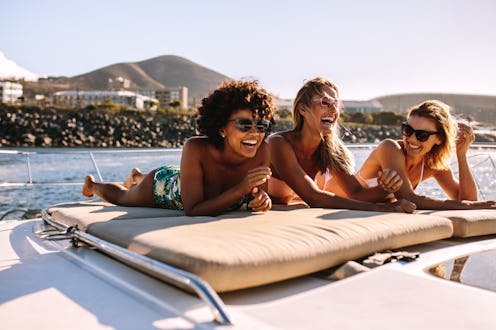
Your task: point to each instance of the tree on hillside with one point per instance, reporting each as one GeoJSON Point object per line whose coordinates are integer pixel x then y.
{"type": "Point", "coordinates": [176, 104]}
{"type": "Point", "coordinates": [387, 118]}
{"type": "Point", "coordinates": [359, 117]}
{"type": "Point", "coordinates": [285, 113]}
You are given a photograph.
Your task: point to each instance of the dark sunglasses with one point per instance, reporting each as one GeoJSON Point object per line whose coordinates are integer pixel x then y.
{"type": "Point", "coordinates": [327, 102]}
{"type": "Point", "coordinates": [245, 124]}
{"type": "Point", "coordinates": [420, 134]}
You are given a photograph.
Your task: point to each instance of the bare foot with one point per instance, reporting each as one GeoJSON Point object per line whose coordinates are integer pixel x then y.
{"type": "Point", "coordinates": [133, 178]}
{"type": "Point", "coordinates": [88, 186]}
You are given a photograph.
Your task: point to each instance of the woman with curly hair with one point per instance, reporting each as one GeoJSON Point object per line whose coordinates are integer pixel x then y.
{"type": "Point", "coordinates": [311, 163]}
{"type": "Point", "coordinates": [429, 137]}
{"type": "Point", "coordinates": [222, 169]}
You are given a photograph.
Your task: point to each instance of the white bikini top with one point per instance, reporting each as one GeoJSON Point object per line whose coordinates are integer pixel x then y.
{"type": "Point", "coordinates": [328, 177]}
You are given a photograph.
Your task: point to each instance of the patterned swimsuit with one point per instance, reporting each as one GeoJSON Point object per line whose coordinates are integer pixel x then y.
{"type": "Point", "coordinates": [166, 189]}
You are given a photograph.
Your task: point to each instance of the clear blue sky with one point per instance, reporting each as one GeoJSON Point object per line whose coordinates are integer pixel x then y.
{"type": "Point", "coordinates": [369, 48]}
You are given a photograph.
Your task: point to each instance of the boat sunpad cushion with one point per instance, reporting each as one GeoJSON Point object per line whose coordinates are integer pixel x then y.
{"type": "Point", "coordinates": [468, 223]}
{"type": "Point", "coordinates": [83, 214]}
{"type": "Point", "coordinates": [242, 249]}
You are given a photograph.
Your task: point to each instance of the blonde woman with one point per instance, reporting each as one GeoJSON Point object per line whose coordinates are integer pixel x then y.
{"type": "Point", "coordinates": [304, 160]}
{"type": "Point", "coordinates": [429, 137]}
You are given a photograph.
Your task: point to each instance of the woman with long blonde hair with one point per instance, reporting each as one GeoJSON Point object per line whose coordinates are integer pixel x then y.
{"type": "Point", "coordinates": [304, 159]}
{"type": "Point", "coordinates": [429, 137]}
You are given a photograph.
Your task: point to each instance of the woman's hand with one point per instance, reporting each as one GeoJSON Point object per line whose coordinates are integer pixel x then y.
{"type": "Point", "coordinates": [465, 139]}
{"type": "Point", "coordinates": [254, 178]}
{"type": "Point", "coordinates": [481, 205]}
{"type": "Point", "coordinates": [389, 180]}
{"type": "Point", "coordinates": [403, 205]}
{"type": "Point", "coordinates": [261, 201]}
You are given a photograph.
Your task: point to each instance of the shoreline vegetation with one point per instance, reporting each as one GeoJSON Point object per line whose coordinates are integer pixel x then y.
{"type": "Point", "coordinates": [105, 128]}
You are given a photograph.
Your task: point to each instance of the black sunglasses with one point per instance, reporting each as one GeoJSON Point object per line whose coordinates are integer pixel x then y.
{"type": "Point", "coordinates": [245, 124]}
{"type": "Point", "coordinates": [420, 134]}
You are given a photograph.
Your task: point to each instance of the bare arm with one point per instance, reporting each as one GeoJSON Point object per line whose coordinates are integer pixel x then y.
{"type": "Point", "coordinates": [285, 164]}
{"type": "Point", "coordinates": [354, 189]}
{"type": "Point", "coordinates": [467, 189]}
{"type": "Point", "coordinates": [464, 188]}
{"type": "Point", "coordinates": [391, 156]}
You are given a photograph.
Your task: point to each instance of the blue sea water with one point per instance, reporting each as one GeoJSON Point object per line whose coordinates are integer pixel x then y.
{"type": "Point", "coordinates": [35, 178]}
{"type": "Point", "coordinates": [39, 177]}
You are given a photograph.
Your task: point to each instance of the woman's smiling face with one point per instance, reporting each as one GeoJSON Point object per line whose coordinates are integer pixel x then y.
{"type": "Point", "coordinates": [324, 110]}
{"type": "Point", "coordinates": [236, 138]}
{"type": "Point", "coordinates": [415, 147]}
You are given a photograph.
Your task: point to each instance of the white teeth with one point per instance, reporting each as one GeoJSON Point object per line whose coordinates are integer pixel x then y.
{"type": "Point", "coordinates": [250, 142]}
{"type": "Point", "coordinates": [413, 147]}
{"type": "Point", "coordinates": [329, 120]}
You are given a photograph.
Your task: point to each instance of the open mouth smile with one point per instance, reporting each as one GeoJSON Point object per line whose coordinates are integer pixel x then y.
{"type": "Point", "coordinates": [249, 143]}
{"type": "Point", "coordinates": [328, 120]}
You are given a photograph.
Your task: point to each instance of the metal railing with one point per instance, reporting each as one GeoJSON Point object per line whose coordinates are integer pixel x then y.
{"type": "Point", "coordinates": [159, 270]}
{"type": "Point", "coordinates": [91, 155]}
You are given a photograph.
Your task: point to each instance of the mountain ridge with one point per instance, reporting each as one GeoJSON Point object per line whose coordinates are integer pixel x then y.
{"type": "Point", "coordinates": [151, 74]}
{"type": "Point", "coordinates": [479, 107]}
{"type": "Point", "coordinates": [173, 71]}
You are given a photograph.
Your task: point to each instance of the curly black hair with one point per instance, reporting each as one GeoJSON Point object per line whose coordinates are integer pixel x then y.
{"type": "Point", "coordinates": [231, 96]}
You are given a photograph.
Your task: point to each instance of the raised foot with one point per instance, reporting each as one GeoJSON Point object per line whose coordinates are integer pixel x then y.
{"type": "Point", "coordinates": [133, 177]}
{"type": "Point", "coordinates": [87, 190]}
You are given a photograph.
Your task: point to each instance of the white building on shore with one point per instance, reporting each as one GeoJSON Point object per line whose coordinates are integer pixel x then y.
{"type": "Point", "coordinates": [10, 92]}
{"type": "Point", "coordinates": [171, 94]}
{"type": "Point", "coordinates": [362, 106]}
{"type": "Point", "coordinates": [82, 99]}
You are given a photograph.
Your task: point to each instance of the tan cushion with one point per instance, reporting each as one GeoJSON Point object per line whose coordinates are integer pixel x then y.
{"type": "Point", "coordinates": [240, 249]}
{"type": "Point", "coordinates": [468, 223]}
{"type": "Point", "coordinates": [83, 214]}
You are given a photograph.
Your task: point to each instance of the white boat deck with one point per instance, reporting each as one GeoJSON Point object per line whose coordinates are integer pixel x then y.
{"type": "Point", "coordinates": [46, 285]}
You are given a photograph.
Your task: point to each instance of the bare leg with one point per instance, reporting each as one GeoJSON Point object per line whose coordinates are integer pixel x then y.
{"type": "Point", "coordinates": [134, 178]}
{"type": "Point", "coordinates": [115, 193]}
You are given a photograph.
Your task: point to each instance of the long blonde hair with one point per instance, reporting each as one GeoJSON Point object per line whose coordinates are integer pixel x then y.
{"type": "Point", "coordinates": [440, 155]}
{"type": "Point", "coordinates": [331, 152]}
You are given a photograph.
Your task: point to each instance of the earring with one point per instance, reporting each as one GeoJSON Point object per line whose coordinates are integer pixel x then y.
{"type": "Point", "coordinates": [222, 135]}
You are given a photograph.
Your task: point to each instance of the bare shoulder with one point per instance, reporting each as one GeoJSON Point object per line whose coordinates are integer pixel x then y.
{"type": "Point", "coordinates": [274, 138]}
{"type": "Point", "coordinates": [196, 142]}
{"type": "Point", "coordinates": [279, 140]}
{"type": "Point", "coordinates": [197, 147]}
{"type": "Point", "coordinates": [389, 145]}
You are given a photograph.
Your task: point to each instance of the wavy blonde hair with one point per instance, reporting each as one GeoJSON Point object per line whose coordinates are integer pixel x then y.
{"type": "Point", "coordinates": [331, 153]}
{"type": "Point", "coordinates": [439, 156]}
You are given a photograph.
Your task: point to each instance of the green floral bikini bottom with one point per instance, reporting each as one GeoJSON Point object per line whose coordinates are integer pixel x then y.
{"type": "Point", "coordinates": [166, 189]}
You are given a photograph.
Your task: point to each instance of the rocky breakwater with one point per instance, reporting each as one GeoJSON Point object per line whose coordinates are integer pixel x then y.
{"type": "Point", "coordinates": [34, 127]}
{"type": "Point", "coordinates": [354, 133]}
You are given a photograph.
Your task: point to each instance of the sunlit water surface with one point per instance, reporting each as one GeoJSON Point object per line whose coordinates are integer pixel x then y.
{"type": "Point", "coordinates": [57, 174]}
